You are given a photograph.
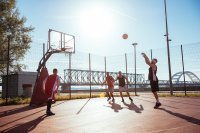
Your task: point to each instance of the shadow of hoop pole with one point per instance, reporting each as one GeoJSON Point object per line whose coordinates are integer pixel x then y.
{"type": "Point", "coordinates": [83, 106]}
{"type": "Point", "coordinates": [182, 116]}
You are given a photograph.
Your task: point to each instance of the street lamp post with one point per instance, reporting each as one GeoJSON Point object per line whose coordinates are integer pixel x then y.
{"type": "Point", "coordinates": [168, 52]}
{"type": "Point", "coordinates": [134, 44]}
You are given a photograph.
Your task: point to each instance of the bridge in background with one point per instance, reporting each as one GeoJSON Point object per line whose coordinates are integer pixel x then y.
{"type": "Point", "coordinates": [177, 76]}
{"type": "Point", "coordinates": [86, 77]}
{"type": "Point", "coordinates": [75, 77]}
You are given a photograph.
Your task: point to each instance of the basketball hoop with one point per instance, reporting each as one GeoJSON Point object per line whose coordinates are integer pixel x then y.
{"type": "Point", "coordinates": [63, 49]}
{"type": "Point", "coordinates": [66, 50]}
{"type": "Point", "coordinates": [61, 42]}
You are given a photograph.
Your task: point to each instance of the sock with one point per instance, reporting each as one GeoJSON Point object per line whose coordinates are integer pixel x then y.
{"type": "Point", "coordinates": [49, 102]}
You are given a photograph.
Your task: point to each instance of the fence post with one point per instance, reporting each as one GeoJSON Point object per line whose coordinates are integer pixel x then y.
{"type": "Point", "coordinates": [90, 74]}
{"type": "Point", "coordinates": [126, 67]}
{"type": "Point", "coordinates": [43, 49]}
{"type": "Point", "coordinates": [49, 40]}
{"type": "Point", "coordinates": [135, 71]}
{"type": "Point", "coordinates": [105, 74]}
{"type": "Point", "coordinates": [8, 64]}
{"type": "Point", "coordinates": [126, 63]}
{"type": "Point", "coordinates": [70, 76]}
{"type": "Point", "coordinates": [105, 65]}
{"type": "Point", "coordinates": [183, 69]}
{"type": "Point", "coordinates": [47, 46]}
{"type": "Point", "coordinates": [64, 75]}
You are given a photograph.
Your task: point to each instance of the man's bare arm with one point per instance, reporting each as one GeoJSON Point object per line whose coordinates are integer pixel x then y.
{"type": "Point", "coordinates": [126, 79]}
{"type": "Point", "coordinates": [58, 83]}
{"type": "Point", "coordinates": [103, 82]}
{"type": "Point", "coordinates": [147, 59]}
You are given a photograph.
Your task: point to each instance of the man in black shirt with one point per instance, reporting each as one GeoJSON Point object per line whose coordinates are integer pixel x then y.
{"type": "Point", "coordinates": [153, 78]}
{"type": "Point", "coordinates": [122, 85]}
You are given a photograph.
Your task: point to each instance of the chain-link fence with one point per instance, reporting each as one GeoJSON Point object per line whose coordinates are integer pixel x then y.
{"type": "Point", "coordinates": [84, 72]}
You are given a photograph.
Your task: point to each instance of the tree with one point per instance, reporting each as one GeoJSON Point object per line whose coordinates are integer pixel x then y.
{"type": "Point", "coordinates": [20, 39]}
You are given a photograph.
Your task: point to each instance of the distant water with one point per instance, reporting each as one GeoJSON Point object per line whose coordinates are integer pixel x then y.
{"type": "Point", "coordinates": [88, 87]}
{"type": "Point", "coordinates": [92, 87]}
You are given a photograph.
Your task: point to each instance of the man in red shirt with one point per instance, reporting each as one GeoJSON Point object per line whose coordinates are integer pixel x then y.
{"type": "Point", "coordinates": [52, 84]}
{"type": "Point", "coordinates": [110, 82]}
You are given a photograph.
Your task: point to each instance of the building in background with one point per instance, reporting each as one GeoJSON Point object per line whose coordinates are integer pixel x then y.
{"type": "Point", "coordinates": [19, 84]}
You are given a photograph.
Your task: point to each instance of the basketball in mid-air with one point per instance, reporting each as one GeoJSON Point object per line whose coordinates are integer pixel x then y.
{"type": "Point", "coordinates": [125, 36]}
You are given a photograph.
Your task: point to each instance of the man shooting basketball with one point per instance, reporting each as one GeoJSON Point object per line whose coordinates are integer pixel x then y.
{"type": "Point", "coordinates": [110, 82]}
{"type": "Point", "coordinates": [153, 78]}
{"type": "Point", "coordinates": [51, 87]}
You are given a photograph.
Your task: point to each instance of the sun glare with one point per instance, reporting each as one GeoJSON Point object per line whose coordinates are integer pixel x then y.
{"type": "Point", "coordinates": [97, 22]}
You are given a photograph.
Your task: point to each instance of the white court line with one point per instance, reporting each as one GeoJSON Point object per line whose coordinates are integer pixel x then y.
{"type": "Point", "coordinates": [157, 131]}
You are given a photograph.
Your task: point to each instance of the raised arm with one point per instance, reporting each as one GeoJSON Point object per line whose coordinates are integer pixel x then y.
{"type": "Point", "coordinates": [103, 82]}
{"type": "Point", "coordinates": [147, 59]}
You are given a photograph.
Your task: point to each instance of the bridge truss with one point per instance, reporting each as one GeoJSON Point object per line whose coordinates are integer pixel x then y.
{"type": "Point", "coordinates": [177, 76]}
{"type": "Point", "coordinates": [86, 77]}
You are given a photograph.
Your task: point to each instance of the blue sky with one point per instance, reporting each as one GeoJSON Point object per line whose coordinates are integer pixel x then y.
{"type": "Point", "coordinates": [99, 24]}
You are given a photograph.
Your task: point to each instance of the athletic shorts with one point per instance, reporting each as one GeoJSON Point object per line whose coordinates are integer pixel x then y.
{"type": "Point", "coordinates": [110, 89]}
{"type": "Point", "coordinates": [154, 86]}
{"type": "Point", "coordinates": [124, 88]}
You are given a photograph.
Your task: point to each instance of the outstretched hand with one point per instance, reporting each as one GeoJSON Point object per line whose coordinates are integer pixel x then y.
{"type": "Point", "coordinates": [143, 54]}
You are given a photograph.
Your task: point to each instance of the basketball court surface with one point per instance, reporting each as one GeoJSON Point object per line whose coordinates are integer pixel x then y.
{"type": "Point", "coordinates": [96, 115]}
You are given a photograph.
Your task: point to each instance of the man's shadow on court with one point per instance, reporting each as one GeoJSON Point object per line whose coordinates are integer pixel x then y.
{"type": "Point", "coordinates": [185, 117]}
{"type": "Point", "coordinates": [116, 107]}
{"type": "Point", "coordinates": [25, 127]}
{"type": "Point", "coordinates": [15, 111]}
{"type": "Point", "coordinates": [134, 107]}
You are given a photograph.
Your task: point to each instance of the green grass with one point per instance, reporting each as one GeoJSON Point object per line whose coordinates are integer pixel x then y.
{"type": "Point", "coordinates": [14, 101]}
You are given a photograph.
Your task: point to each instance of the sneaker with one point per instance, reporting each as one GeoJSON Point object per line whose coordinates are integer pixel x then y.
{"type": "Point", "coordinates": [108, 99]}
{"type": "Point", "coordinates": [131, 99]}
{"type": "Point", "coordinates": [157, 105]}
{"type": "Point", "coordinates": [122, 100]}
{"type": "Point", "coordinates": [49, 113]}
